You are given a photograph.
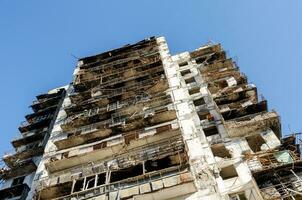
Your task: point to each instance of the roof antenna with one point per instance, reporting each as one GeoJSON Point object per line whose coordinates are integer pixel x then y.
{"type": "Point", "coordinates": [210, 41]}
{"type": "Point", "coordinates": [290, 130]}
{"type": "Point", "coordinates": [74, 56]}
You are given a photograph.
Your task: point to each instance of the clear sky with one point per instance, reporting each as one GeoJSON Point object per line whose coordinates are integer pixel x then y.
{"type": "Point", "coordinates": [37, 39]}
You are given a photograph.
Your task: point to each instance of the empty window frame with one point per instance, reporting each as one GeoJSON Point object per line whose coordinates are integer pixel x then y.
{"type": "Point", "coordinates": [190, 80]}
{"type": "Point", "coordinates": [182, 64]}
{"type": "Point", "coordinates": [211, 131]}
{"type": "Point", "coordinates": [228, 172]}
{"type": "Point", "coordinates": [90, 182]}
{"type": "Point", "coordinates": [199, 102]}
{"type": "Point", "coordinates": [255, 142]}
{"type": "Point", "coordinates": [126, 173]}
{"type": "Point", "coordinates": [219, 150]}
{"type": "Point", "coordinates": [101, 179]}
{"type": "Point", "coordinates": [78, 186]}
{"type": "Point", "coordinates": [194, 90]}
{"type": "Point", "coordinates": [185, 72]}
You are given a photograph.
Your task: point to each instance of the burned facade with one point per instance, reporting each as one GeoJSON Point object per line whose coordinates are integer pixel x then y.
{"type": "Point", "coordinates": [139, 123]}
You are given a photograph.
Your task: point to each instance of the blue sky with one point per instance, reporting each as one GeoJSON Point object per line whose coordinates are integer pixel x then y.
{"type": "Point", "coordinates": [37, 39]}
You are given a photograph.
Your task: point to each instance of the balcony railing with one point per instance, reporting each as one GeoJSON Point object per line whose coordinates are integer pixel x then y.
{"type": "Point", "coordinates": [270, 160]}
{"type": "Point", "coordinates": [163, 178]}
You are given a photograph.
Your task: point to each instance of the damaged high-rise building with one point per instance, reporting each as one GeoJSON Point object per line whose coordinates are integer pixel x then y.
{"type": "Point", "coordinates": [139, 123]}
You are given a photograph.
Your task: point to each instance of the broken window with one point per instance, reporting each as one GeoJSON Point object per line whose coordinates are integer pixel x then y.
{"type": "Point", "coordinates": [126, 173]}
{"type": "Point", "coordinates": [219, 150]}
{"type": "Point", "coordinates": [101, 179]}
{"type": "Point", "coordinates": [228, 172]}
{"type": "Point", "coordinates": [199, 102]}
{"type": "Point", "coordinates": [183, 64]}
{"type": "Point", "coordinates": [185, 72]}
{"type": "Point", "coordinates": [89, 182]}
{"type": "Point", "coordinates": [190, 80]}
{"type": "Point", "coordinates": [255, 142]}
{"type": "Point", "coordinates": [18, 181]}
{"type": "Point", "coordinates": [194, 90]}
{"type": "Point", "coordinates": [78, 186]}
{"type": "Point", "coordinates": [210, 131]}
{"type": "Point", "coordinates": [154, 165]}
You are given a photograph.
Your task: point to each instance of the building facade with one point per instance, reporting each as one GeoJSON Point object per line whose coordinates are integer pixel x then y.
{"type": "Point", "coordinates": [139, 123]}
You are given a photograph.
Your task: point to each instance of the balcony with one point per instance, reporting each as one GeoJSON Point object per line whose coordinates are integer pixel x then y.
{"type": "Point", "coordinates": [86, 80]}
{"type": "Point", "coordinates": [97, 132]}
{"type": "Point", "coordinates": [254, 123]}
{"type": "Point", "coordinates": [41, 104]}
{"type": "Point", "coordinates": [150, 86]}
{"type": "Point", "coordinates": [23, 140]}
{"type": "Point", "coordinates": [14, 159]}
{"type": "Point", "coordinates": [48, 110]}
{"type": "Point", "coordinates": [130, 118]}
{"type": "Point", "coordinates": [19, 191]}
{"type": "Point", "coordinates": [237, 110]}
{"type": "Point", "coordinates": [116, 54]}
{"type": "Point", "coordinates": [263, 162]}
{"type": "Point", "coordinates": [23, 168]}
{"type": "Point", "coordinates": [36, 123]}
{"type": "Point", "coordinates": [206, 50]}
{"type": "Point", "coordinates": [134, 184]}
{"type": "Point", "coordinates": [236, 93]}
{"type": "Point", "coordinates": [170, 141]}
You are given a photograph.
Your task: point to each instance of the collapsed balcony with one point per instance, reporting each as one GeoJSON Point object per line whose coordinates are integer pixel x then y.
{"type": "Point", "coordinates": [258, 122]}
{"type": "Point", "coordinates": [23, 168]}
{"type": "Point", "coordinates": [19, 191]}
{"type": "Point", "coordinates": [151, 147]}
